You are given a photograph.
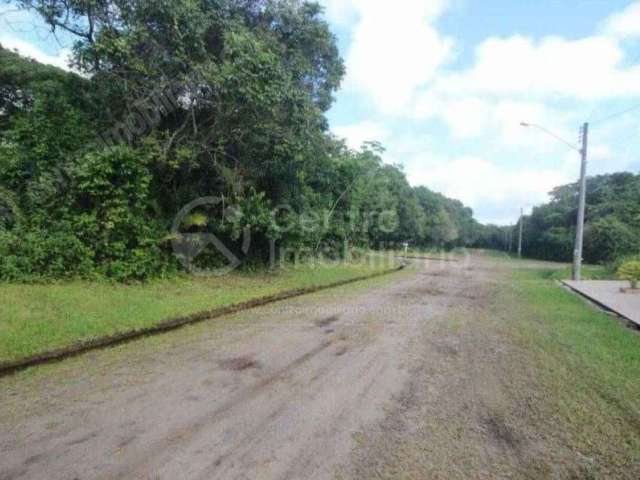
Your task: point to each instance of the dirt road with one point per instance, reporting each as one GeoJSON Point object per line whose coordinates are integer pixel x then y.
{"type": "Point", "coordinates": [391, 378]}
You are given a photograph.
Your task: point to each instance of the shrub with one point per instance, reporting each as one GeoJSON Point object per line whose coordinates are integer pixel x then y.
{"type": "Point", "coordinates": [102, 226]}
{"type": "Point", "coordinates": [112, 214]}
{"type": "Point", "coordinates": [630, 271]}
{"type": "Point", "coordinates": [615, 265]}
{"type": "Point", "coordinates": [27, 255]}
{"type": "Point", "coordinates": [607, 239]}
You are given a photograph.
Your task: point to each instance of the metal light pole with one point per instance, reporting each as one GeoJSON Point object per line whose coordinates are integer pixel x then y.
{"type": "Point", "coordinates": [521, 231]}
{"type": "Point", "coordinates": [577, 252]}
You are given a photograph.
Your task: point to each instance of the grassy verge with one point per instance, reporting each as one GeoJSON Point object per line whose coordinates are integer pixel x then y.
{"type": "Point", "coordinates": [552, 270]}
{"type": "Point", "coordinates": [39, 318]}
{"type": "Point", "coordinates": [589, 272]}
{"type": "Point", "coordinates": [590, 365]}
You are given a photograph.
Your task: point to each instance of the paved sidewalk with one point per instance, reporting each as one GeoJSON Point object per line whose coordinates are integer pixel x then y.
{"type": "Point", "coordinates": [608, 294]}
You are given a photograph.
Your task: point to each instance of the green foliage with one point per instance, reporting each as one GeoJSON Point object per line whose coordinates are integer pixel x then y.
{"type": "Point", "coordinates": [589, 272]}
{"type": "Point", "coordinates": [609, 238]}
{"type": "Point", "coordinates": [99, 227]}
{"type": "Point", "coordinates": [36, 254]}
{"type": "Point", "coordinates": [240, 90]}
{"type": "Point", "coordinates": [630, 271]}
{"type": "Point", "coordinates": [195, 220]}
{"type": "Point", "coordinates": [612, 229]}
{"type": "Point", "coordinates": [580, 350]}
{"type": "Point", "coordinates": [618, 262]}
{"type": "Point", "coordinates": [44, 317]}
{"type": "Point", "coordinates": [110, 195]}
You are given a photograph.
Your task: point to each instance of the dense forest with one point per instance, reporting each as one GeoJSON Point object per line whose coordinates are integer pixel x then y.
{"type": "Point", "coordinates": [191, 121]}
{"type": "Point", "coordinates": [612, 223]}
{"type": "Point", "coordinates": [612, 228]}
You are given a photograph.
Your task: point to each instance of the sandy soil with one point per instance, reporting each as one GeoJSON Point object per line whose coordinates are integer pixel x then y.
{"type": "Point", "coordinates": [398, 377]}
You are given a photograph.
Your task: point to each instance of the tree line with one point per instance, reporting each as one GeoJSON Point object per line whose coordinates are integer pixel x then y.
{"type": "Point", "coordinates": [178, 101]}
{"type": "Point", "coordinates": [612, 223]}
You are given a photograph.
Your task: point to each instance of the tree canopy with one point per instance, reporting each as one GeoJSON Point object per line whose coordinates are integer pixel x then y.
{"type": "Point", "coordinates": [612, 222]}
{"type": "Point", "coordinates": [179, 101]}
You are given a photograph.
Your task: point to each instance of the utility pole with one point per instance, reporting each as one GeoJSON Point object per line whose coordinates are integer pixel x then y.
{"type": "Point", "coordinates": [577, 254]}
{"type": "Point", "coordinates": [521, 231]}
{"type": "Point", "coordinates": [577, 251]}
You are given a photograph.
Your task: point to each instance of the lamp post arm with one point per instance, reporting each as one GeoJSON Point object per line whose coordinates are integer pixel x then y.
{"type": "Point", "coordinates": [549, 132]}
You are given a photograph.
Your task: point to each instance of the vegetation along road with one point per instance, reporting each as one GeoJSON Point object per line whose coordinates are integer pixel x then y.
{"type": "Point", "coordinates": [439, 371]}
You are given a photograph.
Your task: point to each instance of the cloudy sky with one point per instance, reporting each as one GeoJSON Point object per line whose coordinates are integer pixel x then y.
{"type": "Point", "coordinates": [444, 85]}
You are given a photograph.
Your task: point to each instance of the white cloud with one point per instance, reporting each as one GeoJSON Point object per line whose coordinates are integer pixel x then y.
{"type": "Point", "coordinates": [509, 114]}
{"type": "Point", "coordinates": [394, 49]}
{"type": "Point", "coordinates": [467, 117]}
{"type": "Point", "coordinates": [477, 117]}
{"type": "Point", "coordinates": [624, 24]}
{"type": "Point", "coordinates": [519, 79]}
{"type": "Point", "coordinates": [461, 178]}
{"type": "Point", "coordinates": [356, 134]}
{"type": "Point", "coordinates": [476, 181]}
{"type": "Point", "coordinates": [61, 60]}
{"type": "Point", "coordinates": [23, 31]}
{"type": "Point", "coordinates": [590, 68]}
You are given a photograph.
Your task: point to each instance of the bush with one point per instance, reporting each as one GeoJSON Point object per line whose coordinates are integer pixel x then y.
{"type": "Point", "coordinates": [630, 271]}
{"type": "Point", "coordinates": [27, 255]}
{"type": "Point", "coordinates": [112, 216]}
{"type": "Point", "coordinates": [615, 265]}
{"type": "Point", "coordinates": [607, 239]}
{"type": "Point", "coordinates": [102, 226]}
{"type": "Point", "coordinates": [555, 244]}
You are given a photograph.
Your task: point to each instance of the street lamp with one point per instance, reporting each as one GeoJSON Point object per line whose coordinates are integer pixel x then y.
{"type": "Point", "coordinates": [577, 252]}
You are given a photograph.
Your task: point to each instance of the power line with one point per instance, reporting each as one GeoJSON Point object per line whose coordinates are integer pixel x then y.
{"type": "Point", "coordinates": [623, 112]}
{"type": "Point", "coordinates": [596, 106]}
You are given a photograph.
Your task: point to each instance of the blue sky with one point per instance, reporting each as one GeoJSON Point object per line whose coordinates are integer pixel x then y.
{"type": "Point", "coordinates": [444, 84]}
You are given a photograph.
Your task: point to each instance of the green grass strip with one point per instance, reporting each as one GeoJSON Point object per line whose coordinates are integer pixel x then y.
{"type": "Point", "coordinates": [590, 365]}
{"type": "Point", "coordinates": [47, 320]}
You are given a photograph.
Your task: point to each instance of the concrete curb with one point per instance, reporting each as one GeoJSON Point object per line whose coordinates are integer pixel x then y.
{"type": "Point", "coordinates": [8, 368]}
{"type": "Point", "coordinates": [599, 305]}
{"type": "Point", "coordinates": [588, 300]}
